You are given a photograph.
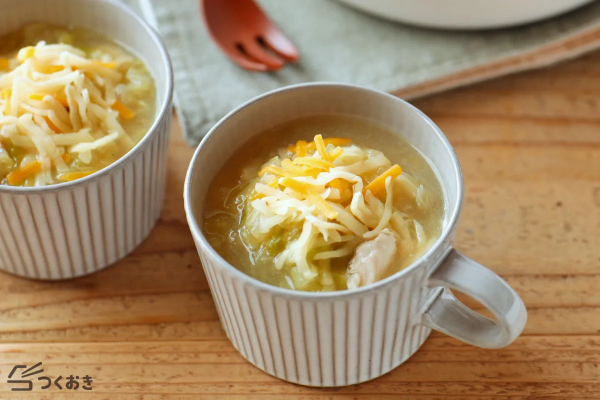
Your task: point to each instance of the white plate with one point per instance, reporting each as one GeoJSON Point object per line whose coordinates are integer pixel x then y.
{"type": "Point", "coordinates": [466, 14]}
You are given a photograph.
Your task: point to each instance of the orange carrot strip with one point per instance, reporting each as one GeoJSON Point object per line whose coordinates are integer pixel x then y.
{"type": "Point", "coordinates": [123, 110]}
{"type": "Point", "coordinates": [71, 176]}
{"type": "Point", "coordinates": [24, 172]}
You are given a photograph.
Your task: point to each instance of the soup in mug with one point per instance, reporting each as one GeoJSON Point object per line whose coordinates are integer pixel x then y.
{"type": "Point", "coordinates": [324, 203]}
{"type": "Point", "coordinates": [71, 103]}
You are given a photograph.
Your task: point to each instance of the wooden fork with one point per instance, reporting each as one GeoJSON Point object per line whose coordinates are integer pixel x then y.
{"type": "Point", "coordinates": [245, 34]}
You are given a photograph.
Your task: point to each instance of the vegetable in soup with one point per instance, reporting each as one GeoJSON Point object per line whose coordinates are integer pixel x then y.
{"type": "Point", "coordinates": [71, 103]}
{"type": "Point", "coordinates": [324, 203]}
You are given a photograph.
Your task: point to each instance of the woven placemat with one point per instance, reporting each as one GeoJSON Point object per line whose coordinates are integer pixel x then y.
{"type": "Point", "coordinates": [340, 44]}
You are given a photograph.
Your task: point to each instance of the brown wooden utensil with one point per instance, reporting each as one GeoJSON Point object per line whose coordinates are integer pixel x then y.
{"type": "Point", "coordinates": [245, 34]}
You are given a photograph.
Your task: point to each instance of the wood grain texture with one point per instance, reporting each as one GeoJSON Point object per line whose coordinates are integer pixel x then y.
{"type": "Point", "coordinates": [529, 146]}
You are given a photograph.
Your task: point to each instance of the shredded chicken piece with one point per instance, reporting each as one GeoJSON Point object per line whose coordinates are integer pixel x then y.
{"type": "Point", "coordinates": [371, 260]}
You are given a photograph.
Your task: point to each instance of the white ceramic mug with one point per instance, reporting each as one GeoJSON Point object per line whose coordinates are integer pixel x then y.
{"type": "Point", "coordinates": [347, 337]}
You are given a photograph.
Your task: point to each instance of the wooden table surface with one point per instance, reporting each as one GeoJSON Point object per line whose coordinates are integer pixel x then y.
{"type": "Point", "coordinates": [529, 146]}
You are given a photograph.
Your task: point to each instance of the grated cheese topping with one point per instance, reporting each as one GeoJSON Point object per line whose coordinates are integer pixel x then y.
{"type": "Point", "coordinates": [335, 195]}
{"type": "Point", "coordinates": [54, 100]}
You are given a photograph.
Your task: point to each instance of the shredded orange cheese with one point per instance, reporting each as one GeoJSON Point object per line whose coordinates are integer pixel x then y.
{"type": "Point", "coordinates": [304, 165]}
{"type": "Point", "coordinates": [294, 169]}
{"type": "Point", "coordinates": [336, 184]}
{"type": "Point", "coordinates": [40, 97]}
{"type": "Point", "coordinates": [336, 141]}
{"type": "Point", "coordinates": [111, 65]}
{"type": "Point", "coordinates": [4, 63]}
{"type": "Point", "coordinates": [312, 194]}
{"type": "Point", "coordinates": [51, 125]}
{"type": "Point", "coordinates": [378, 183]}
{"type": "Point", "coordinates": [26, 53]}
{"type": "Point", "coordinates": [301, 148]}
{"type": "Point", "coordinates": [298, 170]}
{"type": "Point", "coordinates": [312, 146]}
{"type": "Point", "coordinates": [5, 95]}
{"type": "Point", "coordinates": [335, 153]}
{"type": "Point", "coordinates": [313, 162]}
{"type": "Point", "coordinates": [37, 96]}
{"type": "Point", "coordinates": [323, 206]}
{"type": "Point", "coordinates": [62, 99]}
{"type": "Point", "coordinates": [344, 188]}
{"type": "Point", "coordinates": [51, 69]}
{"type": "Point", "coordinates": [257, 195]}
{"type": "Point", "coordinates": [321, 148]}
{"type": "Point", "coordinates": [272, 169]}
{"type": "Point", "coordinates": [301, 187]}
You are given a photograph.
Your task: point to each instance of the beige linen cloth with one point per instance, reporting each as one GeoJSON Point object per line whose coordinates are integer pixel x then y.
{"type": "Point", "coordinates": [340, 44]}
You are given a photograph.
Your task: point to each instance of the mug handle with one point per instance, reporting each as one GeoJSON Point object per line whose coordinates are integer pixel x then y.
{"type": "Point", "coordinates": [445, 313]}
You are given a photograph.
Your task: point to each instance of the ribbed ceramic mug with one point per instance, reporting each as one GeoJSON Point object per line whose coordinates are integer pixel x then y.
{"type": "Point", "coordinates": [76, 228]}
{"type": "Point", "coordinates": [347, 337]}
